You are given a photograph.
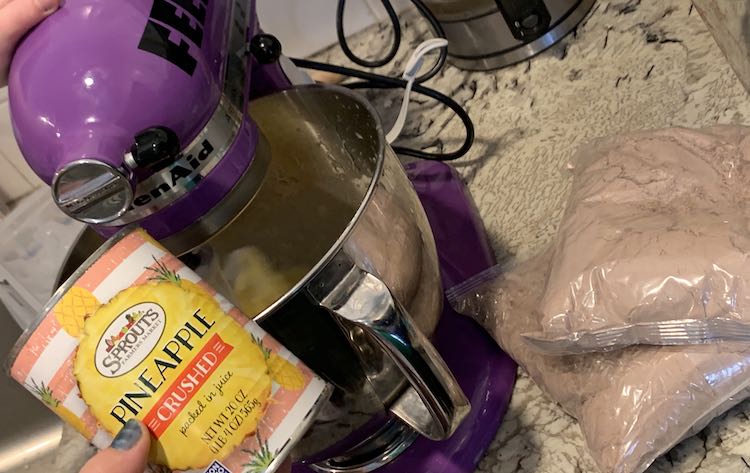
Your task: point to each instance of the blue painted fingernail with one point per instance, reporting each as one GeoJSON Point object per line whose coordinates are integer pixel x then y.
{"type": "Point", "coordinates": [128, 436]}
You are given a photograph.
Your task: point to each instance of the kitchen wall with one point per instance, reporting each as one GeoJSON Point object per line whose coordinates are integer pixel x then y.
{"type": "Point", "coordinates": [304, 26]}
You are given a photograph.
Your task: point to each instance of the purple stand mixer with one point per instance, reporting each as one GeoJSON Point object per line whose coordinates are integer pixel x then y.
{"type": "Point", "coordinates": [134, 112]}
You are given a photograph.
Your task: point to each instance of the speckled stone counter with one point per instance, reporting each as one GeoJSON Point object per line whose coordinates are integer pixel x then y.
{"type": "Point", "coordinates": [630, 65]}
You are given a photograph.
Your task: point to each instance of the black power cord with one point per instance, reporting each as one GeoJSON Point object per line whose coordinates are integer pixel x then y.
{"type": "Point", "coordinates": [377, 81]}
{"type": "Point", "coordinates": [396, 26]}
{"type": "Point", "coordinates": [392, 17]}
{"type": "Point", "coordinates": [370, 80]}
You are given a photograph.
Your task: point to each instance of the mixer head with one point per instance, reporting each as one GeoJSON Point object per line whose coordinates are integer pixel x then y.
{"type": "Point", "coordinates": [135, 111]}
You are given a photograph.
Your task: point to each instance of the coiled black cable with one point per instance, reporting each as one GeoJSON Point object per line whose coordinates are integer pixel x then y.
{"type": "Point", "coordinates": [440, 33]}
{"type": "Point", "coordinates": [396, 43]}
{"type": "Point", "coordinates": [369, 80]}
{"type": "Point", "coordinates": [395, 25]}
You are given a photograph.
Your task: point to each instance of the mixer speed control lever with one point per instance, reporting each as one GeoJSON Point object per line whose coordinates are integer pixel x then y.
{"type": "Point", "coordinates": [265, 48]}
{"type": "Point", "coordinates": [154, 148]}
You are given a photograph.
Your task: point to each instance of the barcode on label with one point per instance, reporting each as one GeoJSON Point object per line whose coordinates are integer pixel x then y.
{"type": "Point", "coordinates": [217, 467]}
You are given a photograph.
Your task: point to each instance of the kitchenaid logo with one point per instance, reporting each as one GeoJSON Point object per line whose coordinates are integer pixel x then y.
{"type": "Point", "coordinates": [166, 22]}
{"type": "Point", "coordinates": [129, 339]}
{"type": "Point", "coordinates": [184, 173]}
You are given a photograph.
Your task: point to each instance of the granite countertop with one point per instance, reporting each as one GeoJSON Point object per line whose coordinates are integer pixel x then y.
{"type": "Point", "coordinates": [630, 65]}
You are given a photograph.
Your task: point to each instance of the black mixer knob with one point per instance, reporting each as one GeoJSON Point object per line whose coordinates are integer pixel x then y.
{"type": "Point", "coordinates": [154, 148]}
{"type": "Point", "coordinates": [266, 48]}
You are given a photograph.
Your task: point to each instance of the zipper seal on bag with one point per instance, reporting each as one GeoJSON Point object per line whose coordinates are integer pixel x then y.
{"type": "Point", "coordinates": [676, 332]}
{"type": "Point", "coordinates": [457, 292]}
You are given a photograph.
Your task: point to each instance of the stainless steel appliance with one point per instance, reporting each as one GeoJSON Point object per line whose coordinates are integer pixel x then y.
{"type": "Point", "coordinates": [490, 34]}
{"type": "Point", "coordinates": [332, 197]}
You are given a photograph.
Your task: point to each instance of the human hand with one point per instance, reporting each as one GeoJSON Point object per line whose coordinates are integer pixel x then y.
{"type": "Point", "coordinates": [16, 18]}
{"type": "Point", "coordinates": [128, 452]}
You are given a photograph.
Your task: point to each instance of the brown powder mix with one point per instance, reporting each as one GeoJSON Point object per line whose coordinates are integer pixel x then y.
{"type": "Point", "coordinates": [656, 229]}
{"type": "Point", "coordinates": [632, 405]}
{"type": "Point", "coordinates": [676, 187]}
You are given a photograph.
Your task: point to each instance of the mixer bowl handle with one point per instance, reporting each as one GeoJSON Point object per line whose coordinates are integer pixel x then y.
{"type": "Point", "coordinates": [434, 405]}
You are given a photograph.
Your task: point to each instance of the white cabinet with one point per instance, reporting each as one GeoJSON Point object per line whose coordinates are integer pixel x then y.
{"type": "Point", "coordinates": [305, 27]}
{"type": "Point", "coordinates": [16, 178]}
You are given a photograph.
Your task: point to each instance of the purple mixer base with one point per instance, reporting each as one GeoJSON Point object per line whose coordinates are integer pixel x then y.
{"type": "Point", "coordinates": [486, 374]}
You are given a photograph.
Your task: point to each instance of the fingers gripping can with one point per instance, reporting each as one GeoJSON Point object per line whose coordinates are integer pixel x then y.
{"type": "Point", "coordinates": [134, 333]}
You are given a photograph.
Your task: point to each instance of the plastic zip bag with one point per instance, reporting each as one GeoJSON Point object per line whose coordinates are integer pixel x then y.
{"type": "Point", "coordinates": [632, 405]}
{"type": "Point", "coordinates": [654, 247]}
{"type": "Point", "coordinates": [666, 333]}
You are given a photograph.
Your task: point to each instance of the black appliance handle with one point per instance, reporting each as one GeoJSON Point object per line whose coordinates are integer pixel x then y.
{"type": "Point", "coordinates": [527, 19]}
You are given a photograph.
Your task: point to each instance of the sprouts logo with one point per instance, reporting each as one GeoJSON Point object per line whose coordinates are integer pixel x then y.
{"type": "Point", "coordinates": [129, 339]}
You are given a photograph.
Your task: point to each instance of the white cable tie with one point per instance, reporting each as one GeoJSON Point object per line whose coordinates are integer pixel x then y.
{"type": "Point", "coordinates": [413, 65]}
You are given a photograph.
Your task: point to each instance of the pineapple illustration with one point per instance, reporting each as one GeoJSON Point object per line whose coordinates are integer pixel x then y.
{"type": "Point", "coordinates": [285, 374]}
{"type": "Point", "coordinates": [72, 310]}
{"type": "Point", "coordinates": [162, 273]}
{"type": "Point", "coordinates": [177, 300]}
{"type": "Point", "coordinates": [44, 393]}
{"type": "Point", "coordinates": [281, 370]}
{"type": "Point", "coordinates": [262, 458]}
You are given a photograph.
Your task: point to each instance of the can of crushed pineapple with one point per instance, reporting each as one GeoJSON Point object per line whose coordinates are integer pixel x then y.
{"type": "Point", "coordinates": [134, 333]}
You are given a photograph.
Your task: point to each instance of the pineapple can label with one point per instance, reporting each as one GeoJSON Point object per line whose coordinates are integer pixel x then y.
{"type": "Point", "coordinates": [136, 334]}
